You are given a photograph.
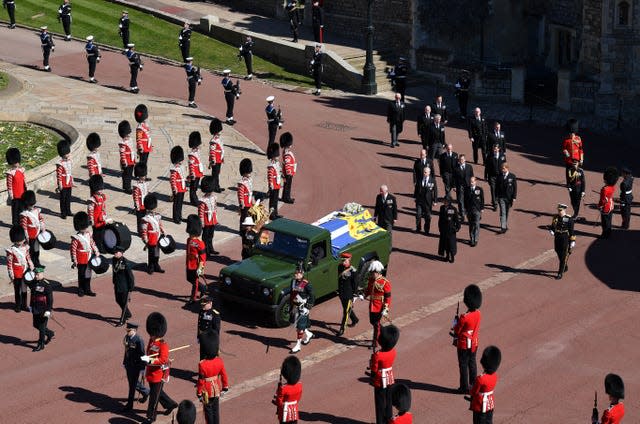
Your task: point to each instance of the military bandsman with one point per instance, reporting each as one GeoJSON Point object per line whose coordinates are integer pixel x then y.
{"type": "Point", "coordinates": [178, 182]}
{"type": "Point", "coordinates": [196, 167]}
{"type": "Point", "coordinates": [18, 263]}
{"type": "Point", "coordinates": [245, 189]}
{"type": "Point", "coordinates": [216, 153]}
{"type": "Point", "coordinates": [288, 394]}
{"type": "Point", "coordinates": [83, 247]}
{"type": "Point", "coordinates": [212, 380]}
{"type": "Point", "coordinates": [16, 183]}
{"type": "Point", "coordinates": [140, 191]}
{"type": "Point", "coordinates": [184, 40]}
{"type": "Point", "coordinates": [290, 166]}
{"type": "Point", "coordinates": [208, 213]}
{"type": "Point", "coordinates": [143, 134]}
{"type": "Point", "coordinates": [196, 257]}
{"type": "Point", "coordinates": [379, 294]}
{"type": "Point", "coordinates": [93, 57]}
{"type": "Point", "coordinates": [94, 164]}
{"type": "Point", "coordinates": [274, 178]}
{"type": "Point", "coordinates": [302, 299]}
{"type": "Point", "coordinates": [41, 307]}
{"type": "Point", "coordinates": [564, 238]}
{"type": "Point", "coordinates": [193, 80]}
{"type": "Point", "coordinates": [64, 178]}
{"type": "Point", "coordinates": [127, 154]}
{"type": "Point", "coordinates": [33, 224]}
{"type": "Point", "coordinates": [123, 283]}
{"type": "Point", "coordinates": [133, 365]}
{"type": "Point", "coordinates": [97, 210]}
{"type": "Point", "coordinates": [465, 336]}
{"type": "Point", "coordinates": [152, 230]}
{"type": "Point", "coordinates": [47, 44]}
{"type": "Point", "coordinates": [382, 377]}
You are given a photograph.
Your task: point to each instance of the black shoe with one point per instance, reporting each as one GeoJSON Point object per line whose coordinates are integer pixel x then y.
{"type": "Point", "coordinates": [149, 270]}
{"type": "Point", "coordinates": [119, 323]}
{"type": "Point", "coordinates": [158, 269]}
{"type": "Point", "coordinates": [170, 409]}
{"type": "Point", "coordinates": [144, 398]}
{"type": "Point", "coordinates": [340, 333]}
{"type": "Point", "coordinates": [39, 347]}
{"type": "Point", "coordinates": [215, 252]}
{"type": "Point", "coordinates": [452, 259]}
{"type": "Point", "coordinates": [566, 268]}
{"type": "Point", "coordinates": [354, 322]}
{"type": "Point", "coordinates": [90, 293]}
{"type": "Point", "coordinates": [127, 315]}
{"type": "Point", "coordinates": [393, 145]}
{"type": "Point", "coordinates": [17, 309]}
{"type": "Point", "coordinates": [219, 190]}
{"type": "Point", "coordinates": [128, 407]}
{"type": "Point", "coordinates": [49, 337]}
{"type": "Point", "coordinates": [559, 276]}
{"type": "Point", "coordinates": [467, 398]}
{"type": "Point", "coordinates": [80, 292]}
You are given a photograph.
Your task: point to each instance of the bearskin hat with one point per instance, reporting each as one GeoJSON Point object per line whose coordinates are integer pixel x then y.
{"type": "Point", "coordinates": [194, 225]}
{"type": "Point", "coordinates": [291, 369]}
{"type": "Point", "coordinates": [246, 167]}
{"type": "Point", "coordinates": [273, 151]}
{"type": "Point", "coordinates": [93, 141]}
{"type": "Point", "coordinates": [177, 154]}
{"type": "Point", "coordinates": [572, 125]}
{"type": "Point", "coordinates": [195, 139]}
{"type": "Point", "coordinates": [156, 324]}
{"type": "Point", "coordinates": [80, 221]}
{"type": "Point", "coordinates": [186, 412]}
{"type": "Point", "coordinates": [491, 357]}
{"type": "Point", "coordinates": [206, 184]}
{"type": "Point", "coordinates": [614, 386]}
{"type": "Point", "coordinates": [286, 140]}
{"type": "Point", "coordinates": [124, 129]}
{"type": "Point", "coordinates": [96, 183]}
{"type": "Point", "coordinates": [472, 297]}
{"type": "Point", "coordinates": [389, 336]}
{"type": "Point", "coordinates": [215, 126]}
{"type": "Point", "coordinates": [13, 155]}
{"type": "Point", "coordinates": [401, 397]}
{"type": "Point", "coordinates": [150, 202]}
{"type": "Point", "coordinates": [29, 198]}
{"type": "Point", "coordinates": [210, 345]}
{"type": "Point", "coordinates": [140, 170]}
{"type": "Point", "coordinates": [141, 113]}
{"type": "Point", "coordinates": [611, 175]}
{"type": "Point", "coordinates": [64, 148]}
{"type": "Point", "coordinates": [16, 234]}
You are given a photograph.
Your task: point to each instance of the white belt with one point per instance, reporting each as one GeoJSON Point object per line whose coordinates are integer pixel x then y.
{"type": "Point", "coordinates": [285, 410]}
{"type": "Point", "coordinates": [485, 400]}
{"type": "Point", "coordinates": [628, 192]}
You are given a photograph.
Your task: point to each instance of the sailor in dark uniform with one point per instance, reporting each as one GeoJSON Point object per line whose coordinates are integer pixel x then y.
{"type": "Point", "coordinates": [10, 5]}
{"type": "Point", "coordinates": [93, 57]}
{"type": "Point", "coordinates": [47, 44]}
{"type": "Point", "coordinates": [64, 15]}
{"type": "Point", "coordinates": [184, 41]}
{"type": "Point", "coordinates": [135, 65]}
{"type": "Point", "coordinates": [123, 28]}
{"type": "Point", "coordinates": [230, 95]}
{"type": "Point", "coordinates": [193, 79]}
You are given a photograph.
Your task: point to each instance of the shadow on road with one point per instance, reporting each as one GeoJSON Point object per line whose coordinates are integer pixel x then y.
{"type": "Point", "coordinates": [327, 418]}
{"type": "Point", "coordinates": [275, 342]}
{"type": "Point", "coordinates": [99, 401]}
{"type": "Point", "coordinates": [417, 385]}
{"type": "Point", "coordinates": [540, 272]}
{"type": "Point", "coordinates": [611, 260]}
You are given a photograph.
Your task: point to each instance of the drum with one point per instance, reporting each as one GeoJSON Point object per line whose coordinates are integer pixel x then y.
{"type": "Point", "coordinates": [47, 240]}
{"type": "Point", "coordinates": [99, 264]}
{"type": "Point", "coordinates": [116, 234]}
{"type": "Point", "coordinates": [167, 244]}
{"type": "Point", "coordinates": [29, 276]}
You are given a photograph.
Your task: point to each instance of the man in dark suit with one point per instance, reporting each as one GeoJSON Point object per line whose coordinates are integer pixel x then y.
{"type": "Point", "coordinates": [497, 137]}
{"type": "Point", "coordinates": [426, 195]}
{"type": "Point", "coordinates": [448, 162]}
{"type": "Point", "coordinates": [386, 211]}
{"type": "Point", "coordinates": [478, 133]}
{"type": "Point", "coordinates": [422, 162]}
{"type": "Point", "coordinates": [436, 138]}
{"type": "Point", "coordinates": [506, 193]}
{"type": "Point", "coordinates": [439, 108]}
{"type": "Point", "coordinates": [424, 122]}
{"type": "Point", "coordinates": [395, 118]}
{"type": "Point", "coordinates": [492, 168]}
{"type": "Point", "coordinates": [474, 201]}
{"type": "Point", "coordinates": [462, 179]}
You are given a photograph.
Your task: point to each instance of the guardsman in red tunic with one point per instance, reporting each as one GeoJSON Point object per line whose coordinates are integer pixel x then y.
{"type": "Point", "coordinates": [140, 191]}
{"type": "Point", "coordinates": [245, 189]}
{"type": "Point", "coordinates": [481, 395]}
{"type": "Point", "coordinates": [64, 179]}
{"type": "Point", "coordinates": [127, 154]}
{"type": "Point", "coordinates": [379, 294]}
{"type": "Point", "coordinates": [94, 164]}
{"type": "Point", "coordinates": [82, 248]}
{"type": "Point", "coordinates": [614, 387]}
{"type": "Point", "coordinates": [196, 255]}
{"type": "Point", "coordinates": [216, 153]}
{"type": "Point", "coordinates": [290, 166]}
{"type": "Point", "coordinates": [212, 380]}
{"type": "Point", "coordinates": [288, 394]}
{"type": "Point", "coordinates": [382, 378]}
{"type": "Point", "coordinates": [178, 182]}
{"type": "Point", "coordinates": [186, 412]}
{"type": "Point", "coordinates": [152, 229]}
{"type": "Point", "coordinates": [33, 224]}
{"type": "Point", "coordinates": [158, 364]}
{"type": "Point", "coordinates": [143, 133]}
{"type": "Point", "coordinates": [401, 400]}
{"type": "Point", "coordinates": [572, 145]}
{"type": "Point", "coordinates": [606, 200]}
{"type": "Point", "coordinates": [16, 184]}
{"type": "Point", "coordinates": [196, 167]}
{"type": "Point", "coordinates": [97, 210]}
{"type": "Point", "coordinates": [465, 334]}
{"type": "Point", "coordinates": [274, 178]}
{"type": "Point", "coordinates": [18, 263]}
{"type": "Point", "coordinates": [208, 213]}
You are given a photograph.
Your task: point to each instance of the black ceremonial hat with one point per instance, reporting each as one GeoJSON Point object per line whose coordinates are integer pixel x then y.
{"type": "Point", "coordinates": [29, 198]}
{"type": "Point", "coordinates": [286, 140]}
{"type": "Point", "coordinates": [177, 154]}
{"type": "Point", "coordinates": [491, 358]}
{"type": "Point", "coordinates": [273, 151]}
{"type": "Point", "coordinates": [124, 129]}
{"type": "Point", "coordinates": [141, 113]}
{"type": "Point", "coordinates": [210, 345]}
{"type": "Point", "coordinates": [246, 167]}
{"type": "Point", "coordinates": [96, 183]}
{"type": "Point", "coordinates": [389, 336]}
{"type": "Point", "coordinates": [401, 397]}
{"type": "Point", "coordinates": [194, 225]}
{"type": "Point", "coordinates": [16, 234]}
{"type": "Point", "coordinates": [93, 141]}
{"type": "Point", "coordinates": [195, 139]}
{"type": "Point", "coordinates": [206, 184]}
{"type": "Point", "coordinates": [13, 155]}
{"type": "Point", "coordinates": [80, 221]}
{"type": "Point", "coordinates": [610, 175]}
{"type": "Point", "coordinates": [614, 386]}
{"type": "Point", "coordinates": [140, 170]}
{"type": "Point", "coordinates": [156, 324]}
{"type": "Point", "coordinates": [573, 126]}
{"type": "Point", "coordinates": [472, 297]}
{"type": "Point", "coordinates": [291, 369]}
{"type": "Point", "coordinates": [64, 147]}
{"type": "Point", "coordinates": [150, 202]}
{"type": "Point", "coordinates": [215, 126]}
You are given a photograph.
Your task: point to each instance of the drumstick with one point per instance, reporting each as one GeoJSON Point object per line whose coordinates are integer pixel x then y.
{"type": "Point", "coordinates": [171, 350]}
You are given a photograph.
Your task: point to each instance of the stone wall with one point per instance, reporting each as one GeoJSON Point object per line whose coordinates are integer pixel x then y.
{"type": "Point", "coordinates": [583, 95]}
{"type": "Point", "coordinates": [495, 84]}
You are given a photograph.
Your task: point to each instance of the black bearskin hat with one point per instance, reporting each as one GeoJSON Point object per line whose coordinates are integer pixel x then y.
{"type": "Point", "coordinates": [472, 297]}
{"type": "Point", "coordinates": [210, 344]}
{"type": "Point", "coordinates": [64, 148]}
{"type": "Point", "coordinates": [389, 336]}
{"type": "Point", "coordinates": [206, 184]}
{"type": "Point", "coordinates": [13, 155]}
{"type": "Point", "coordinates": [156, 324]}
{"type": "Point", "coordinates": [150, 202]}
{"type": "Point", "coordinates": [16, 234]}
{"type": "Point", "coordinates": [491, 357]}
{"type": "Point", "coordinates": [195, 139]}
{"type": "Point", "coordinates": [194, 225]}
{"type": "Point", "coordinates": [614, 386]}
{"type": "Point", "coordinates": [96, 183]}
{"type": "Point", "coordinates": [80, 221]}
{"type": "Point", "coordinates": [286, 140]}
{"type": "Point", "coordinates": [93, 141]}
{"type": "Point", "coordinates": [246, 167]}
{"type": "Point", "coordinates": [273, 151]}
{"type": "Point", "coordinates": [141, 113]}
{"type": "Point", "coordinates": [215, 126]}
{"type": "Point", "coordinates": [291, 369]}
{"type": "Point", "coordinates": [124, 129]}
{"type": "Point", "coordinates": [177, 154]}
{"type": "Point", "coordinates": [186, 412]}
{"type": "Point", "coordinates": [401, 397]}
{"type": "Point", "coordinates": [29, 198]}
{"type": "Point", "coordinates": [140, 170]}
{"type": "Point", "coordinates": [572, 125]}
{"type": "Point", "coordinates": [610, 175]}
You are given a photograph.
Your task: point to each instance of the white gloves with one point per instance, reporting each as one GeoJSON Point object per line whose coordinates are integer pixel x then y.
{"type": "Point", "coordinates": [583, 193]}
{"type": "Point", "coordinates": [303, 311]}
{"type": "Point", "coordinates": [146, 359]}
{"type": "Point", "coordinates": [573, 244]}
{"type": "Point", "coordinates": [385, 312]}
{"type": "Point", "coordinates": [551, 232]}
{"type": "Point", "coordinates": [47, 314]}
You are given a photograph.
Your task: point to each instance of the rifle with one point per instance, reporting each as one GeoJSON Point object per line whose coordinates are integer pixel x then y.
{"type": "Point", "coordinates": [279, 117]}
{"type": "Point", "coordinates": [237, 89]}
{"type": "Point", "coordinates": [454, 322]}
{"type": "Point", "coordinates": [594, 414]}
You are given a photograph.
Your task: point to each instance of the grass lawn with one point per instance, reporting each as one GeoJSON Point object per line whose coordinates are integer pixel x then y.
{"type": "Point", "coordinates": [37, 144]}
{"type": "Point", "coordinates": [150, 34]}
{"type": "Point", "coordinates": [4, 80]}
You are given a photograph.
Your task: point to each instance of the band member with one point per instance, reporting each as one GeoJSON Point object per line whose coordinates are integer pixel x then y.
{"type": "Point", "coordinates": [193, 79]}
{"type": "Point", "coordinates": [178, 182]}
{"type": "Point", "coordinates": [448, 225]}
{"type": "Point", "coordinates": [64, 178]}
{"type": "Point", "coordinates": [208, 213]}
{"type": "Point", "coordinates": [481, 395]}
{"type": "Point", "coordinates": [462, 93]}
{"type": "Point", "coordinates": [135, 65]}
{"type": "Point", "coordinates": [347, 289]}
{"type": "Point", "coordinates": [382, 377]}
{"type": "Point", "coordinates": [302, 300]}
{"type": "Point", "coordinates": [474, 202]}
{"type": "Point", "coordinates": [143, 134]}
{"type": "Point", "coordinates": [572, 145]}
{"type": "Point", "coordinates": [184, 41]}
{"type": "Point", "coordinates": [127, 154]}
{"type": "Point", "coordinates": [16, 183]}
{"type": "Point", "coordinates": [123, 283]}
{"type": "Point", "coordinates": [288, 394]}
{"type": "Point", "coordinates": [401, 401]}
{"type": "Point", "coordinates": [18, 263]}
{"type": "Point", "coordinates": [123, 28]}
{"type": "Point", "coordinates": [274, 178]}
{"type": "Point", "coordinates": [186, 412]}
{"type": "Point", "coordinates": [478, 134]}
{"type": "Point", "coordinates": [614, 387]}
{"type": "Point", "coordinates": [140, 191]}
{"type": "Point", "coordinates": [212, 380]}
{"type": "Point", "coordinates": [317, 15]}
{"type": "Point", "coordinates": [379, 294]}
{"type": "Point", "coordinates": [426, 195]}
{"type": "Point", "coordinates": [208, 322]}
{"type": "Point", "coordinates": [196, 257]}
{"type": "Point", "coordinates": [152, 230]}
{"type": "Point", "coordinates": [82, 248]}
{"type": "Point", "coordinates": [93, 57]}
{"type": "Point", "coordinates": [41, 307]}
{"type": "Point", "coordinates": [492, 169]}
{"type": "Point", "coordinates": [196, 167]}
{"type": "Point", "coordinates": [64, 15]}
{"type": "Point", "coordinates": [231, 93]}
{"type": "Point", "coordinates": [290, 166]}
{"type": "Point", "coordinates": [626, 196]}
{"type": "Point", "coordinates": [564, 238]}
{"type": "Point", "coordinates": [216, 153]}
{"type": "Point", "coordinates": [606, 200]}
{"type": "Point", "coordinates": [10, 5]}
{"type": "Point", "coordinates": [47, 44]}
{"type": "Point", "coordinates": [273, 119]}
{"type": "Point", "coordinates": [33, 224]}
{"type": "Point", "coordinates": [465, 334]}
{"type": "Point", "coordinates": [97, 210]}
{"type": "Point", "coordinates": [249, 236]}
{"type": "Point", "coordinates": [245, 51]}
{"type": "Point", "coordinates": [245, 189]}
{"type": "Point", "coordinates": [316, 68]}
{"type": "Point", "coordinates": [158, 363]}
{"type": "Point", "coordinates": [94, 164]}
{"type": "Point", "coordinates": [133, 365]}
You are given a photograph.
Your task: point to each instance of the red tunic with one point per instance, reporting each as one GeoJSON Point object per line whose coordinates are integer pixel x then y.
{"type": "Point", "coordinates": [382, 368]}
{"type": "Point", "coordinates": [208, 211]}
{"type": "Point", "coordinates": [139, 192]}
{"type": "Point", "coordinates": [64, 179]}
{"type": "Point", "coordinates": [245, 193]}
{"type": "Point", "coordinates": [216, 150]}
{"type": "Point", "coordinates": [196, 169]}
{"type": "Point", "coordinates": [178, 182]}
{"type": "Point", "coordinates": [127, 154]}
{"type": "Point", "coordinates": [290, 165]}
{"type": "Point", "coordinates": [212, 377]}
{"type": "Point", "coordinates": [196, 253]}
{"type": "Point", "coordinates": [152, 228]}
{"type": "Point", "coordinates": [466, 330]}
{"type": "Point", "coordinates": [572, 149]}
{"type": "Point", "coordinates": [379, 293]}
{"type": "Point", "coordinates": [606, 199]}
{"type": "Point", "coordinates": [16, 184]}
{"type": "Point", "coordinates": [287, 398]}
{"type": "Point", "coordinates": [97, 210]}
{"type": "Point", "coordinates": [143, 138]}
{"type": "Point", "coordinates": [32, 222]}
{"type": "Point", "coordinates": [405, 418]}
{"type": "Point", "coordinates": [18, 261]}
{"type": "Point", "coordinates": [155, 369]}
{"type": "Point", "coordinates": [482, 392]}
{"type": "Point", "coordinates": [613, 415]}
{"type": "Point", "coordinates": [93, 164]}
{"type": "Point", "coordinates": [82, 246]}
{"type": "Point", "coordinates": [274, 177]}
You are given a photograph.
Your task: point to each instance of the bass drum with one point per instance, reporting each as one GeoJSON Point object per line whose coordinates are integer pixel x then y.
{"type": "Point", "coordinates": [99, 264]}
{"type": "Point", "coordinates": [29, 276]}
{"type": "Point", "coordinates": [116, 234]}
{"type": "Point", "coordinates": [47, 240]}
{"type": "Point", "coordinates": [167, 244]}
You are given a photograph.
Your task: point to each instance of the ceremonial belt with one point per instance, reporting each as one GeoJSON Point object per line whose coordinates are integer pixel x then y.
{"type": "Point", "coordinates": [628, 192]}
{"type": "Point", "coordinates": [215, 385]}
{"type": "Point", "coordinates": [377, 297]}
{"type": "Point", "coordinates": [190, 76]}
{"type": "Point", "coordinates": [228, 91]}
{"type": "Point", "coordinates": [485, 400]}
{"type": "Point", "coordinates": [271, 120]}
{"type": "Point", "coordinates": [386, 375]}
{"type": "Point", "coordinates": [289, 408]}
{"type": "Point", "coordinates": [45, 45]}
